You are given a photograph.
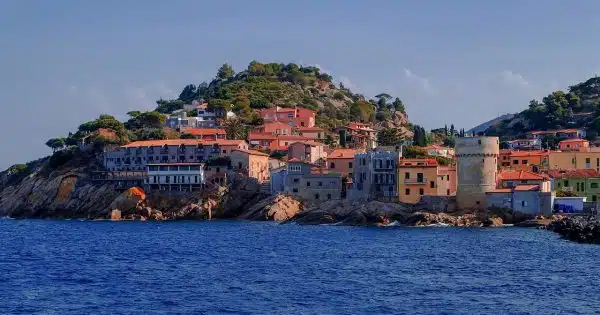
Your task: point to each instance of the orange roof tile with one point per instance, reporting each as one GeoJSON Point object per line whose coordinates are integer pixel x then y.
{"type": "Point", "coordinates": [527, 187]}
{"type": "Point", "coordinates": [418, 162]}
{"type": "Point", "coordinates": [500, 190]}
{"type": "Point", "coordinates": [261, 136]}
{"type": "Point", "coordinates": [226, 142]}
{"type": "Point", "coordinates": [573, 140]}
{"type": "Point", "coordinates": [309, 128]}
{"type": "Point", "coordinates": [526, 153]}
{"type": "Point", "coordinates": [342, 154]}
{"type": "Point", "coordinates": [292, 137]}
{"type": "Point", "coordinates": [519, 175]}
{"type": "Point", "coordinates": [578, 173]}
{"type": "Point", "coordinates": [159, 143]}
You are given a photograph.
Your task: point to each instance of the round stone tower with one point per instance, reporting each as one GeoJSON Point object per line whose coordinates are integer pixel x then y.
{"type": "Point", "coordinates": [476, 170]}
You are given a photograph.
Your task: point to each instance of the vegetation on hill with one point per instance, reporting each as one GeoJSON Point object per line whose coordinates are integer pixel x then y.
{"type": "Point", "coordinates": [579, 107]}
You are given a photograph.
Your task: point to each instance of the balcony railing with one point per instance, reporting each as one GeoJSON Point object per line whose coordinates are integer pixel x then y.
{"type": "Point", "coordinates": [415, 181]}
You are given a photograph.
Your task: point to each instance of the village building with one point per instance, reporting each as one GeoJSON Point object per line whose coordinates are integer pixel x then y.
{"type": "Point", "coordinates": [314, 133]}
{"type": "Point", "coordinates": [422, 177]}
{"type": "Point", "coordinates": [582, 182]}
{"type": "Point", "coordinates": [180, 121]}
{"type": "Point", "coordinates": [137, 155]}
{"type": "Point", "coordinates": [571, 160]}
{"type": "Point", "coordinates": [312, 183]}
{"type": "Point", "coordinates": [574, 145]}
{"type": "Point", "coordinates": [561, 134]}
{"type": "Point", "coordinates": [174, 177]}
{"type": "Point", "coordinates": [512, 178]}
{"type": "Point", "coordinates": [524, 160]}
{"type": "Point", "coordinates": [253, 164]}
{"type": "Point", "coordinates": [274, 128]}
{"type": "Point", "coordinates": [525, 144]}
{"type": "Point", "coordinates": [358, 136]}
{"type": "Point", "coordinates": [341, 161]}
{"type": "Point", "coordinates": [296, 117]}
{"type": "Point", "coordinates": [438, 150]}
{"type": "Point", "coordinates": [526, 199]}
{"type": "Point", "coordinates": [208, 134]}
{"type": "Point", "coordinates": [278, 179]}
{"type": "Point", "coordinates": [307, 151]}
{"type": "Point", "coordinates": [375, 175]}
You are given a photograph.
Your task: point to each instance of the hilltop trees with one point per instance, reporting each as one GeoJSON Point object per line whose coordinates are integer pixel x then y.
{"type": "Point", "coordinates": [225, 72]}
{"type": "Point", "coordinates": [420, 136]}
{"type": "Point", "coordinates": [390, 137]}
{"type": "Point", "coordinates": [56, 144]}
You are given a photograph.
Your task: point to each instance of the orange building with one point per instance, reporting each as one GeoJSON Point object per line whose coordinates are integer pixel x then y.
{"type": "Point", "coordinates": [298, 117]}
{"type": "Point", "coordinates": [275, 128]}
{"type": "Point", "coordinates": [513, 178]}
{"type": "Point", "coordinates": [342, 161]}
{"type": "Point", "coordinates": [580, 145]}
{"type": "Point", "coordinates": [523, 160]}
{"type": "Point", "coordinates": [227, 146]}
{"type": "Point", "coordinates": [423, 177]}
{"type": "Point", "coordinates": [252, 163]}
{"type": "Point", "coordinates": [314, 133]}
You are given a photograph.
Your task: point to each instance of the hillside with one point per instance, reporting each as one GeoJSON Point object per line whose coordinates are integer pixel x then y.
{"type": "Point", "coordinates": [245, 92]}
{"type": "Point", "coordinates": [578, 107]}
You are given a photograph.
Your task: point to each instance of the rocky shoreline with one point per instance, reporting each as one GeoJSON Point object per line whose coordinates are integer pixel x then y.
{"type": "Point", "coordinates": [581, 229]}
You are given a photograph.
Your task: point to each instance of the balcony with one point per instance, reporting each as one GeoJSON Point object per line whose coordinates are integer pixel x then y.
{"type": "Point", "coordinates": [415, 181]}
{"type": "Point", "coordinates": [164, 151]}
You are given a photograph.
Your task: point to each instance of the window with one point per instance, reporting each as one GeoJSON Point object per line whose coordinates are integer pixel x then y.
{"type": "Point", "coordinates": [448, 192]}
{"type": "Point", "coordinates": [407, 191]}
{"type": "Point", "coordinates": [350, 175]}
{"type": "Point", "coordinates": [349, 164]}
{"type": "Point", "coordinates": [167, 179]}
{"type": "Point", "coordinates": [296, 180]}
{"type": "Point", "coordinates": [332, 165]}
{"type": "Point", "coordinates": [317, 196]}
{"type": "Point", "coordinates": [478, 141]}
{"type": "Point", "coordinates": [594, 198]}
{"type": "Point", "coordinates": [195, 179]}
{"type": "Point", "coordinates": [224, 151]}
{"type": "Point", "coordinates": [295, 190]}
{"type": "Point", "coordinates": [421, 191]}
{"type": "Point", "coordinates": [307, 183]}
{"type": "Point", "coordinates": [174, 179]}
{"type": "Point", "coordinates": [320, 184]}
{"type": "Point", "coordinates": [523, 203]}
{"type": "Point", "coordinates": [432, 184]}
{"type": "Point", "coordinates": [329, 196]}
{"type": "Point", "coordinates": [587, 161]}
{"type": "Point", "coordinates": [524, 162]}
{"type": "Point", "coordinates": [477, 202]}
{"type": "Point", "coordinates": [594, 185]}
{"type": "Point", "coordinates": [407, 175]}
{"type": "Point", "coordinates": [566, 183]}
{"type": "Point", "coordinates": [515, 162]}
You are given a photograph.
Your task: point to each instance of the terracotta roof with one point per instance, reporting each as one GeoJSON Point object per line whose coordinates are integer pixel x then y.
{"type": "Point", "coordinates": [342, 154]}
{"type": "Point", "coordinates": [261, 136]}
{"type": "Point", "coordinates": [294, 160]}
{"type": "Point", "coordinates": [279, 123]}
{"type": "Point", "coordinates": [527, 187]}
{"type": "Point", "coordinates": [573, 140]}
{"type": "Point", "coordinates": [526, 153]}
{"type": "Point", "coordinates": [579, 173]}
{"type": "Point", "coordinates": [519, 175]}
{"type": "Point", "coordinates": [205, 131]}
{"type": "Point", "coordinates": [311, 143]}
{"type": "Point", "coordinates": [418, 162]}
{"type": "Point", "coordinates": [252, 152]}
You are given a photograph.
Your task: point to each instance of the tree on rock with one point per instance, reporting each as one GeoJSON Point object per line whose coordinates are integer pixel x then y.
{"type": "Point", "coordinates": [225, 72]}
{"type": "Point", "coordinates": [56, 144]}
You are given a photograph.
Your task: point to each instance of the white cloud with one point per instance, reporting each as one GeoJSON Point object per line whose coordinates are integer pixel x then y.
{"type": "Point", "coordinates": [422, 82]}
{"type": "Point", "coordinates": [515, 79]}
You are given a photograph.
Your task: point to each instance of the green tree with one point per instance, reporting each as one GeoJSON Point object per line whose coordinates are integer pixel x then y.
{"type": "Point", "coordinates": [225, 72]}
{"type": "Point", "coordinates": [146, 120]}
{"type": "Point", "coordinates": [235, 129]}
{"type": "Point", "coordinates": [56, 144]}
{"type": "Point", "coordinates": [389, 137]}
{"type": "Point", "coordinates": [189, 93]}
{"type": "Point", "coordinates": [550, 142]}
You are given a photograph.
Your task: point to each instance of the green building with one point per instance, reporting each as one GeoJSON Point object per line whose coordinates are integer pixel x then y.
{"type": "Point", "coordinates": [582, 182]}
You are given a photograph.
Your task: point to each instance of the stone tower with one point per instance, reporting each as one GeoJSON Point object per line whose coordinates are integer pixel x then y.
{"type": "Point", "coordinates": [476, 170]}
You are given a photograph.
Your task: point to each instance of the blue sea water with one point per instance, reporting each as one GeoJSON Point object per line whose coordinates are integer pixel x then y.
{"type": "Point", "coordinates": [73, 267]}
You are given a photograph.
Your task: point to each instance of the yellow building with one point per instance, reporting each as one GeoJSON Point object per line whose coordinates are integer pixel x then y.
{"type": "Point", "coordinates": [422, 177]}
{"type": "Point", "coordinates": [558, 160]}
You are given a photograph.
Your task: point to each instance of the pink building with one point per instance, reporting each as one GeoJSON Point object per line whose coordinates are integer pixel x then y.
{"type": "Point", "coordinates": [276, 128]}
{"type": "Point", "coordinates": [299, 117]}
{"type": "Point", "coordinates": [307, 151]}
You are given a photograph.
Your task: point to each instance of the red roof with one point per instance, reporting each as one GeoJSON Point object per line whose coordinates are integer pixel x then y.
{"type": "Point", "coordinates": [160, 143]}
{"type": "Point", "coordinates": [342, 154]}
{"type": "Point", "coordinates": [527, 187]}
{"type": "Point", "coordinates": [519, 175]}
{"type": "Point", "coordinates": [205, 131]}
{"type": "Point", "coordinates": [526, 153]}
{"type": "Point", "coordinates": [573, 141]}
{"type": "Point", "coordinates": [418, 162]}
{"type": "Point", "coordinates": [541, 132]}
{"type": "Point", "coordinates": [579, 173]}
{"type": "Point", "coordinates": [292, 137]}
{"type": "Point", "coordinates": [310, 143]}
{"type": "Point", "coordinates": [251, 152]}
{"type": "Point", "coordinates": [226, 142]}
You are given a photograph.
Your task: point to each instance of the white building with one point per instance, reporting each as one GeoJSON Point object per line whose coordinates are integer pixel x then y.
{"type": "Point", "coordinates": [525, 144]}
{"type": "Point", "coordinates": [175, 177]}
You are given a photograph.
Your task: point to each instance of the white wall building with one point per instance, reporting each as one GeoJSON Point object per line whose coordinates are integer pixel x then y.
{"type": "Point", "coordinates": [175, 177]}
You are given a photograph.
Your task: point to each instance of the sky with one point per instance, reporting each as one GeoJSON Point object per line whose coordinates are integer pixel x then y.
{"type": "Point", "coordinates": [462, 62]}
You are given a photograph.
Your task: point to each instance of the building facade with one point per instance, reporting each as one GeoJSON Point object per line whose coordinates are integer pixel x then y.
{"type": "Point", "coordinates": [525, 144]}
{"type": "Point", "coordinates": [307, 151]}
{"type": "Point", "coordinates": [311, 183]}
{"type": "Point", "coordinates": [253, 164]}
{"type": "Point", "coordinates": [583, 183]}
{"type": "Point", "coordinates": [559, 160]}
{"type": "Point", "coordinates": [342, 161]}
{"type": "Point", "coordinates": [421, 177]}
{"type": "Point", "coordinates": [174, 177]}
{"type": "Point", "coordinates": [574, 145]}
{"type": "Point", "coordinates": [375, 175]}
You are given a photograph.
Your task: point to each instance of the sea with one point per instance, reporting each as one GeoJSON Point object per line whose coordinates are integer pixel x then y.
{"type": "Point", "coordinates": [236, 267]}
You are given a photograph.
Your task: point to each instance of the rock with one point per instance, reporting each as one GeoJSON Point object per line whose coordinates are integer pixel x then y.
{"type": "Point", "coordinates": [276, 208]}
{"type": "Point", "coordinates": [493, 222]}
{"type": "Point", "coordinates": [115, 215]}
{"type": "Point", "coordinates": [578, 229]}
{"type": "Point", "coordinates": [129, 199]}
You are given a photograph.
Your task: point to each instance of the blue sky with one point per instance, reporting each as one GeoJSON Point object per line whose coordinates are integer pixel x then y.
{"type": "Point", "coordinates": [64, 62]}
